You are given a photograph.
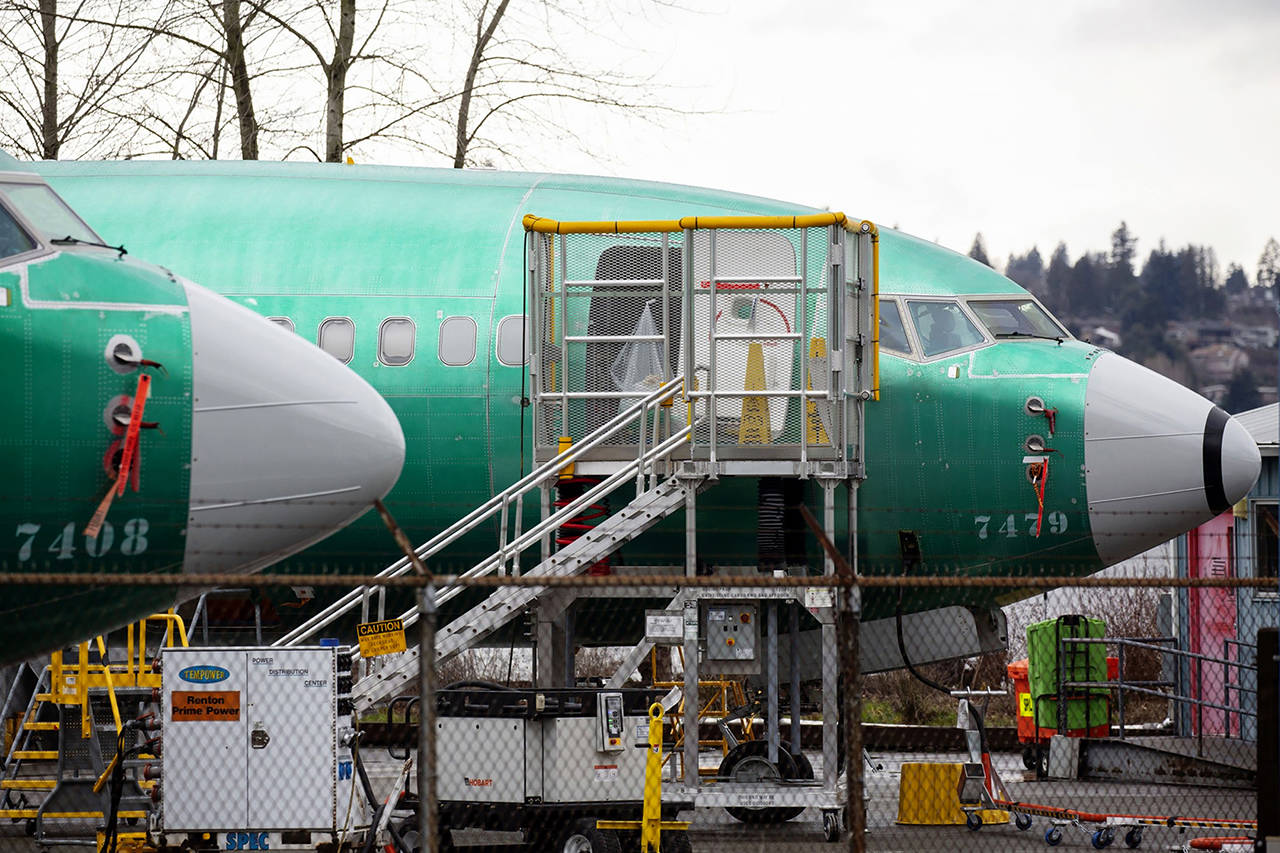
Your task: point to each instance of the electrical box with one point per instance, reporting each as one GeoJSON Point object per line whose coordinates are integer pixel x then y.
{"type": "Point", "coordinates": [256, 745]}
{"type": "Point", "coordinates": [731, 632]}
{"type": "Point", "coordinates": [611, 728]}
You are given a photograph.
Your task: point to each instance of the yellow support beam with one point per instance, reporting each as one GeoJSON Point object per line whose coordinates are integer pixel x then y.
{"type": "Point", "coordinates": [41, 727]}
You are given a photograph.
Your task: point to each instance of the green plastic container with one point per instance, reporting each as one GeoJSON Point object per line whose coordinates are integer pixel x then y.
{"type": "Point", "coordinates": [1087, 708]}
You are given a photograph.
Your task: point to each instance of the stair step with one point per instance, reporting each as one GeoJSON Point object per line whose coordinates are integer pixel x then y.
{"type": "Point", "coordinates": [41, 727]}
{"type": "Point", "coordinates": [27, 784]}
{"type": "Point", "coordinates": [36, 754]}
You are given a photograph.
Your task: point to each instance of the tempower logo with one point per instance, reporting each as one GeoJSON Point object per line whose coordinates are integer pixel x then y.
{"type": "Point", "coordinates": [204, 674]}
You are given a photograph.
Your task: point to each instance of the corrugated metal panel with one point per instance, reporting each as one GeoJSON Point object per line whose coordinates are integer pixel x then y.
{"type": "Point", "coordinates": [1263, 424]}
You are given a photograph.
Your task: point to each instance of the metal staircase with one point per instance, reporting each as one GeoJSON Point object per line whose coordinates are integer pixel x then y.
{"type": "Point", "coordinates": [658, 494]}
{"type": "Point", "coordinates": [508, 603]}
{"type": "Point", "coordinates": [770, 324]}
{"type": "Point", "coordinates": [69, 732]}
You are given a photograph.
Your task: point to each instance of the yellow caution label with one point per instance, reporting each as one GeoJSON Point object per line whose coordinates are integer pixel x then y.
{"type": "Point", "coordinates": [381, 638]}
{"type": "Point", "coordinates": [1025, 706]}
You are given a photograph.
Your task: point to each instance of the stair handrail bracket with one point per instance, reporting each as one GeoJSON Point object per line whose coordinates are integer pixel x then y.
{"type": "Point", "coordinates": [770, 319]}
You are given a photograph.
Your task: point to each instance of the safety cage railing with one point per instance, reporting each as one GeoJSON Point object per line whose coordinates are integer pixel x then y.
{"type": "Point", "coordinates": [769, 319]}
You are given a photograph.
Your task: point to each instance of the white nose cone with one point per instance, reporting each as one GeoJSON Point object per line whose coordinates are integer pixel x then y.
{"type": "Point", "coordinates": [287, 445]}
{"type": "Point", "coordinates": [1159, 458]}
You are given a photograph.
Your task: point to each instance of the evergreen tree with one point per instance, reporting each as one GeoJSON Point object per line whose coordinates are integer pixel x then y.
{"type": "Point", "coordinates": [1269, 267]}
{"type": "Point", "coordinates": [1058, 282]}
{"type": "Point", "coordinates": [1087, 283]}
{"type": "Point", "coordinates": [978, 251]}
{"type": "Point", "coordinates": [1242, 392]}
{"type": "Point", "coordinates": [1237, 281]}
{"type": "Point", "coordinates": [1121, 280]}
{"type": "Point", "coordinates": [1028, 271]}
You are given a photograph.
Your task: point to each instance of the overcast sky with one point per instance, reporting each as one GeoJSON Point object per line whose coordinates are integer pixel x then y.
{"type": "Point", "coordinates": [1031, 122]}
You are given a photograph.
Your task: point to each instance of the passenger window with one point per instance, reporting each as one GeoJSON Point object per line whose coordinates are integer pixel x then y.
{"type": "Point", "coordinates": [338, 338]}
{"type": "Point", "coordinates": [13, 240]}
{"type": "Point", "coordinates": [511, 341]}
{"type": "Point", "coordinates": [893, 335]}
{"type": "Point", "coordinates": [942, 327]}
{"type": "Point", "coordinates": [282, 322]}
{"type": "Point", "coordinates": [458, 341]}
{"type": "Point", "coordinates": [395, 341]}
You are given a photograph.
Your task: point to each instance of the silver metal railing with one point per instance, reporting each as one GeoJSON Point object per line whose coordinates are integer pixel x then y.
{"type": "Point", "coordinates": [511, 501]}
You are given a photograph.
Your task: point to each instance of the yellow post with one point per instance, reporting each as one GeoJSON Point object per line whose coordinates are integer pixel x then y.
{"type": "Point", "coordinates": [651, 823]}
{"type": "Point", "coordinates": [651, 819]}
{"type": "Point", "coordinates": [565, 443]}
{"type": "Point", "coordinates": [754, 427]}
{"type": "Point", "coordinates": [815, 432]}
{"type": "Point", "coordinates": [82, 691]}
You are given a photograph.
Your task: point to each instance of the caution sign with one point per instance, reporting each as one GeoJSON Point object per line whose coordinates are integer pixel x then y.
{"type": "Point", "coordinates": [381, 638]}
{"type": "Point", "coordinates": [206, 705]}
{"type": "Point", "coordinates": [1025, 708]}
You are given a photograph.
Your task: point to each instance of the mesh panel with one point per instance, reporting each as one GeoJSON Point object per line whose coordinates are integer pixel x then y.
{"type": "Point", "coordinates": [613, 327]}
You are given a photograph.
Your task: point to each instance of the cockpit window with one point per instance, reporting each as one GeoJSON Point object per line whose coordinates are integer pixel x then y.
{"type": "Point", "coordinates": [942, 327]}
{"type": "Point", "coordinates": [1016, 318]}
{"type": "Point", "coordinates": [46, 211]}
{"type": "Point", "coordinates": [13, 240]}
{"type": "Point", "coordinates": [893, 335]}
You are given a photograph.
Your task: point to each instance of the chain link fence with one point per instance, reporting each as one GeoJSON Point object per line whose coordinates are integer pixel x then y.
{"type": "Point", "coordinates": [736, 710]}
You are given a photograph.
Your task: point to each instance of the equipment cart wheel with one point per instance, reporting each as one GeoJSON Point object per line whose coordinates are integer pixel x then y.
{"type": "Point", "coordinates": [676, 841]}
{"type": "Point", "coordinates": [749, 762]}
{"type": "Point", "coordinates": [1053, 836]}
{"type": "Point", "coordinates": [973, 820]}
{"type": "Point", "coordinates": [1022, 821]}
{"type": "Point", "coordinates": [1133, 838]}
{"type": "Point", "coordinates": [1029, 757]}
{"type": "Point", "coordinates": [1102, 838]}
{"type": "Point", "coordinates": [831, 827]}
{"type": "Point", "coordinates": [583, 837]}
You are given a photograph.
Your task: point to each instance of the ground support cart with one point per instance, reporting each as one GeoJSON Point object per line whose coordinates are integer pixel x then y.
{"type": "Point", "coordinates": [549, 763]}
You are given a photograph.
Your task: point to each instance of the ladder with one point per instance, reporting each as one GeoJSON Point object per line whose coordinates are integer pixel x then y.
{"type": "Point", "coordinates": [69, 732]}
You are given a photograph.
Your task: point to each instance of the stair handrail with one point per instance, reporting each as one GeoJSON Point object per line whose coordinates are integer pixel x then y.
{"type": "Point", "coordinates": [498, 502]}
{"type": "Point", "coordinates": [529, 538]}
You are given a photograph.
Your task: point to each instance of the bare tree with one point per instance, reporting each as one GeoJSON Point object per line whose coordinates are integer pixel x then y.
{"type": "Point", "coordinates": [67, 69]}
{"type": "Point", "coordinates": [520, 65]}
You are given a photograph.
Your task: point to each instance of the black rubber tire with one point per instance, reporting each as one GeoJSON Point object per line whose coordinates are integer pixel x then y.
{"type": "Point", "coordinates": [1022, 821]}
{"type": "Point", "coordinates": [1042, 762]}
{"type": "Point", "coordinates": [585, 831]}
{"type": "Point", "coordinates": [1053, 836]}
{"type": "Point", "coordinates": [830, 827]}
{"type": "Point", "coordinates": [1133, 838]}
{"type": "Point", "coordinates": [675, 841]}
{"type": "Point", "coordinates": [973, 821]}
{"type": "Point", "coordinates": [1029, 758]}
{"type": "Point", "coordinates": [789, 767]}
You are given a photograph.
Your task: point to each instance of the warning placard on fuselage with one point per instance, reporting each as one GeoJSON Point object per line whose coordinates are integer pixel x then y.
{"type": "Point", "coordinates": [206, 705]}
{"type": "Point", "coordinates": [381, 638]}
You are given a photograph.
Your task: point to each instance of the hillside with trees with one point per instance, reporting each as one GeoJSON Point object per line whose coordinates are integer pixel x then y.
{"type": "Point", "coordinates": [1175, 310]}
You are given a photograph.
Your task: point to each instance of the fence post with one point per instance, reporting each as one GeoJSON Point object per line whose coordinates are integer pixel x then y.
{"type": "Point", "coordinates": [849, 613]}
{"type": "Point", "coordinates": [428, 817]}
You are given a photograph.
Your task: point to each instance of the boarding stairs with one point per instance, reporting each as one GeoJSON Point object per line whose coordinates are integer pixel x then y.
{"type": "Point", "coordinates": [72, 724]}
{"type": "Point", "coordinates": [730, 349]}
{"type": "Point", "coordinates": [660, 491]}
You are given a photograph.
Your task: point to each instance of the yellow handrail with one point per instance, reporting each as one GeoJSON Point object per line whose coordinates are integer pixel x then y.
{"type": "Point", "coordinates": [543, 225]}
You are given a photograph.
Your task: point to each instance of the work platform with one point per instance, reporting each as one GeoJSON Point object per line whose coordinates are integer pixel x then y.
{"type": "Point", "coordinates": [664, 357]}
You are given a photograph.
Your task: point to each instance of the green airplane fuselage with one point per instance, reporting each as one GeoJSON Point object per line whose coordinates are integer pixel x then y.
{"type": "Point", "coordinates": [945, 443]}
{"type": "Point", "coordinates": [58, 315]}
